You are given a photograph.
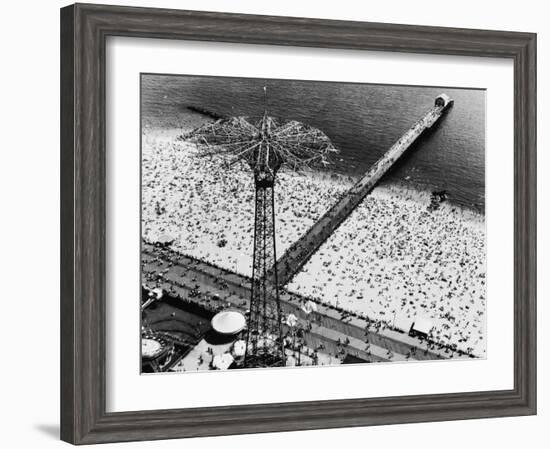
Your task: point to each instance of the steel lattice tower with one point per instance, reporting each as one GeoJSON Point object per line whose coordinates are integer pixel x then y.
{"type": "Point", "coordinates": [264, 146]}
{"type": "Point", "coordinates": [264, 345]}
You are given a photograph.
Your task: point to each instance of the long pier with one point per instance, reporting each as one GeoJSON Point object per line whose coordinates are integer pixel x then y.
{"type": "Point", "coordinates": [295, 257]}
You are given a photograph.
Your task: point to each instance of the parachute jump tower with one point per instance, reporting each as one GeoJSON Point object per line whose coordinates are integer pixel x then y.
{"type": "Point", "coordinates": [265, 146]}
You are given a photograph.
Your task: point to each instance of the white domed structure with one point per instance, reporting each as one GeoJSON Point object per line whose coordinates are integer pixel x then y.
{"type": "Point", "coordinates": [228, 322]}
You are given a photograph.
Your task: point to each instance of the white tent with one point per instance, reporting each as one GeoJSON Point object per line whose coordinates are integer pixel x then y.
{"type": "Point", "coordinates": [422, 325]}
{"type": "Point", "coordinates": [222, 361]}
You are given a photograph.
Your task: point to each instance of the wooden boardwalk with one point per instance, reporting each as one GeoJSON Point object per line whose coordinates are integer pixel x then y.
{"type": "Point", "coordinates": [213, 289]}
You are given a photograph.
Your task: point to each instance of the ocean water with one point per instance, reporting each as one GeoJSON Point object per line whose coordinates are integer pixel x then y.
{"type": "Point", "coordinates": [362, 120]}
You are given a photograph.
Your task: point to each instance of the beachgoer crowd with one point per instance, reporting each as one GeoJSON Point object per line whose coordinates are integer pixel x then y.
{"type": "Point", "coordinates": [392, 260]}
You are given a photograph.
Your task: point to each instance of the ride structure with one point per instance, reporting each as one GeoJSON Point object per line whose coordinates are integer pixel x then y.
{"type": "Point", "coordinates": [265, 146]}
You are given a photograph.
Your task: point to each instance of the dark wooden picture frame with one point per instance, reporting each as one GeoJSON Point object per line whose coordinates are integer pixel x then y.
{"type": "Point", "coordinates": [84, 29]}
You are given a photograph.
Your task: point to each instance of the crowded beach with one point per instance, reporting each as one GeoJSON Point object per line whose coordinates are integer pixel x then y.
{"type": "Point", "coordinates": [395, 260]}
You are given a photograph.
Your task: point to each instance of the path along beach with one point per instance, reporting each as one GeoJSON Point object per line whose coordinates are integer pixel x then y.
{"type": "Point", "coordinates": [393, 260]}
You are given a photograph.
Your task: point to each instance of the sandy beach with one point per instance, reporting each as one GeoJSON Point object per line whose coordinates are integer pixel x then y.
{"type": "Point", "coordinates": [392, 260]}
{"type": "Point", "coordinates": [209, 211]}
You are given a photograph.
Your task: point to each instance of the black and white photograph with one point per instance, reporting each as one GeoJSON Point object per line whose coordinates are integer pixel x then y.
{"type": "Point", "coordinates": [294, 223]}
{"type": "Point", "coordinates": [289, 224]}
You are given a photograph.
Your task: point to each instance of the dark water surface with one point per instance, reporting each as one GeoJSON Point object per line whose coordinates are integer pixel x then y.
{"type": "Point", "coordinates": [362, 120]}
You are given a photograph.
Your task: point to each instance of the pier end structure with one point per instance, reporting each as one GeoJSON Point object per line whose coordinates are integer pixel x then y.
{"type": "Point", "coordinates": [303, 249]}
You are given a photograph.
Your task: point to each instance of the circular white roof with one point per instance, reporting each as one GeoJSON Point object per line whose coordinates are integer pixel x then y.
{"type": "Point", "coordinates": [150, 348]}
{"type": "Point", "coordinates": [228, 322]}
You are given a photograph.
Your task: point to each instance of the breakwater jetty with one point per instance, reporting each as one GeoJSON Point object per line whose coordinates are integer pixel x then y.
{"type": "Point", "coordinates": [301, 251]}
